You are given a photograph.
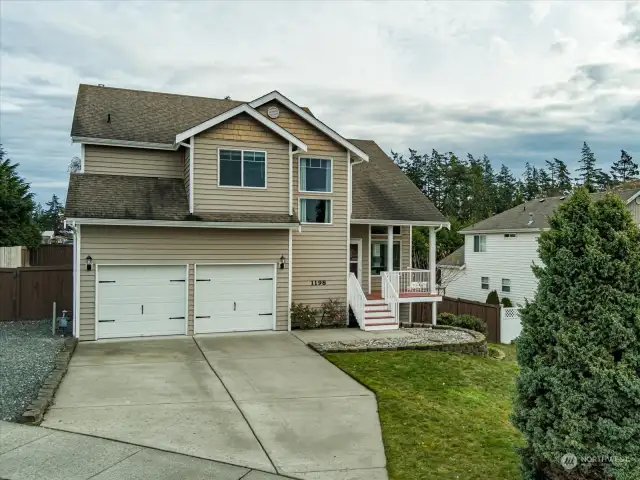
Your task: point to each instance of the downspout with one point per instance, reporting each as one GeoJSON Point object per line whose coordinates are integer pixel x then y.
{"type": "Point", "coordinates": [190, 147]}
{"type": "Point", "coordinates": [290, 178]}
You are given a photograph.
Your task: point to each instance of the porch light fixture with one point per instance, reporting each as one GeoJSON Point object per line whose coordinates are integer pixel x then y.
{"type": "Point", "coordinates": [89, 262]}
{"type": "Point", "coordinates": [282, 259]}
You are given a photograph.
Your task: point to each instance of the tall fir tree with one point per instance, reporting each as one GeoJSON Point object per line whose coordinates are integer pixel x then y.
{"type": "Point", "coordinates": [588, 176]}
{"type": "Point", "coordinates": [624, 169]}
{"type": "Point", "coordinates": [506, 189]}
{"type": "Point", "coordinates": [563, 177]}
{"type": "Point", "coordinates": [578, 390]}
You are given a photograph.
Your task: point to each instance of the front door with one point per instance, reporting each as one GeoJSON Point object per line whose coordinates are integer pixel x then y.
{"type": "Point", "coordinates": [355, 258]}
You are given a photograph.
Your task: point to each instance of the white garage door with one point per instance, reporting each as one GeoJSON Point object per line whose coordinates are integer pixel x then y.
{"type": "Point", "coordinates": [234, 298]}
{"type": "Point", "coordinates": [139, 301]}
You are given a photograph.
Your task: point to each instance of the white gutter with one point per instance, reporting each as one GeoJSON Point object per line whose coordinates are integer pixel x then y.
{"type": "Point", "coordinates": [367, 221]}
{"type": "Point", "coordinates": [290, 178]}
{"type": "Point", "coordinates": [125, 143]}
{"type": "Point", "coordinates": [183, 224]}
{"type": "Point", "coordinates": [191, 174]}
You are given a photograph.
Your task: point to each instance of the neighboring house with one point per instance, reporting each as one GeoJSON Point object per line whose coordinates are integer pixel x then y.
{"type": "Point", "coordinates": [498, 252]}
{"type": "Point", "coordinates": [198, 215]}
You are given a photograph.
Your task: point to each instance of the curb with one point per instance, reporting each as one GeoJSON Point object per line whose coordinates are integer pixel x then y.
{"type": "Point", "coordinates": [35, 411]}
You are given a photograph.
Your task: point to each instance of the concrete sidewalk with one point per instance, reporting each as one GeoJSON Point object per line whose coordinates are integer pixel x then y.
{"type": "Point", "coordinates": [30, 453]}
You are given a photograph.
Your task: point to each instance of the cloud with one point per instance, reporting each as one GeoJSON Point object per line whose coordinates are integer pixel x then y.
{"type": "Point", "coordinates": [517, 81]}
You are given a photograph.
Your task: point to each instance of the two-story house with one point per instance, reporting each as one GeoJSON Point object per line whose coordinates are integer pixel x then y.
{"type": "Point", "coordinates": [498, 252]}
{"type": "Point", "coordinates": [199, 215]}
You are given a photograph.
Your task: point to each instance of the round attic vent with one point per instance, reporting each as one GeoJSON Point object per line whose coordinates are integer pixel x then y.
{"type": "Point", "coordinates": [273, 112]}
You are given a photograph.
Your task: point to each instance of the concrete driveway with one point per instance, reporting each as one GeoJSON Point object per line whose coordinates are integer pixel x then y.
{"type": "Point", "coordinates": [261, 400]}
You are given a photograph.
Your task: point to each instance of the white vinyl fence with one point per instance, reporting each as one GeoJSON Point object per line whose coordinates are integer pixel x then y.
{"type": "Point", "coordinates": [510, 326]}
{"type": "Point", "coordinates": [11, 257]}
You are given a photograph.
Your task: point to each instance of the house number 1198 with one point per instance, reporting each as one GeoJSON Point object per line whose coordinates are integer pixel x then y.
{"type": "Point", "coordinates": [316, 283]}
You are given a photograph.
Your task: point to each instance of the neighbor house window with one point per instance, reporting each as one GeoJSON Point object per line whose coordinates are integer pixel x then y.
{"type": "Point", "coordinates": [243, 168]}
{"type": "Point", "coordinates": [379, 257]}
{"type": "Point", "coordinates": [382, 230]}
{"type": "Point", "coordinates": [484, 283]}
{"type": "Point", "coordinates": [506, 285]}
{"type": "Point", "coordinates": [479, 243]}
{"type": "Point", "coordinates": [315, 175]}
{"type": "Point", "coordinates": [509, 235]}
{"type": "Point", "coordinates": [315, 211]}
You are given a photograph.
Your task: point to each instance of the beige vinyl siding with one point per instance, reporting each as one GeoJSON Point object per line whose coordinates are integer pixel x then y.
{"type": "Point", "coordinates": [141, 162]}
{"type": "Point", "coordinates": [320, 251]}
{"type": "Point", "coordinates": [186, 172]}
{"type": "Point", "coordinates": [634, 208]}
{"type": "Point", "coordinates": [240, 133]}
{"type": "Point", "coordinates": [362, 232]}
{"type": "Point", "coordinates": [154, 245]}
{"type": "Point", "coordinates": [405, 253]}
{"type": "Point", "coordinates": [315, 140]}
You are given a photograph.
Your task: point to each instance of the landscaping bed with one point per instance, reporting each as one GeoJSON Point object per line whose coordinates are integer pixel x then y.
{"type": "Point", "coordinates": [443, 415]}
{"type": "Point", "coordinates": [28, 354]}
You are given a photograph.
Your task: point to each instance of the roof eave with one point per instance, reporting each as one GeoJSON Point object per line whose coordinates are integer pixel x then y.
{"type": "Point", "coordinates": [416, 223]}
{"type": "Point", "coordinates": [181, 223]}
{"type": "Point", "coordinates": [124, 143]}
{"type": "Point", "coordinates": [503, 230]}
{"type": "Point", "coordinates": [275, 95]}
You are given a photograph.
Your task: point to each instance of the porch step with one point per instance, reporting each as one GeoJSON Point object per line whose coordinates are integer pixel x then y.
{"type": "Point", "coordinates": [380, 326]}
{"type": "Point", "coordinates": [378, 320]}
{"type": "Point", "coordinates": [375, 301]}
{"type": "Point", "coordinates": [377, 312]}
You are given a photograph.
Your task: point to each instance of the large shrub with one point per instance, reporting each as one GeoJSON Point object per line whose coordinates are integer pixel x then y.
{"type": "Point", "coordinates": [463, 321]}
{"type": "Point", "coordinates": [303, 316]}
{"type": "Point", "coordinates": [493, 298]}
{"type": "Point", "coordinates": [334, 313]}
{"type": "Point", "coordinates": [578, 391]}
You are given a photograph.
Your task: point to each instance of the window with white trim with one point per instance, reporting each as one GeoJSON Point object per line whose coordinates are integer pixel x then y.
{"type": "Point", "coordinates": [479, 243]}
{"type": "Point", "coordinates": [313, 210]}
{"type": "Point", "coordinates": [315, 174]}
{"type": "Point", "coordinates": [509, 235]}
{"type": "Point", "coordinates": [379, 256]}
{"type": "Point", "coordinates": [242, 168]}
{"type": "Point", "coordinates": [484, 283]}
{"type": "Point", "coordinates": [506, 285]}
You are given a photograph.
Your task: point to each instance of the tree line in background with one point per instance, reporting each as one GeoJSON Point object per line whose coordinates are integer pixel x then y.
{"type": "Point", "coordinates": [468, 189]}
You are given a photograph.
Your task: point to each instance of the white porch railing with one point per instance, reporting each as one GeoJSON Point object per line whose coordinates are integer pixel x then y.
{"type": "Point", "coordinates": [357, 299]}
{"type": "Point", "coordinates": [390, 294]}
{"type": "Point", "coordinates": [409, 281]}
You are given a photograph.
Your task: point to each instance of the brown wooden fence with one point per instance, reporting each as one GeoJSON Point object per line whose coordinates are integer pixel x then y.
{"type": "Point", "coordinates": [29, 292]}
{"type": "Point", "coordinates": [50, 255]}
{"type": "Point", "coordinates": [489, 313]}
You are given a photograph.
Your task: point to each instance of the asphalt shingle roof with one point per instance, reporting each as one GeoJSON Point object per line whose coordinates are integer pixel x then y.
{"type": "Point", "coordinates": [380, 190]}
{"type": "Point", "coordinates": [536, 211]}
{"type": "Point", "coordinates": [127, 197]}
{"type": "Point", "coordinates": [455, 259]}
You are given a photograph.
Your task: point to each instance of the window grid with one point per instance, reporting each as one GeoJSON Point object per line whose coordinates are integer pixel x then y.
{"type": "Point", "coordinates": [479, 243]}
{"type": "Point", "coordinates": [315, 165]}
{"type": "Point", "coordinates": [506, 285]}
{"type": "Point", "coordinates": [254, 159]}
{"type": "Point", "coordinates": [484, 283]}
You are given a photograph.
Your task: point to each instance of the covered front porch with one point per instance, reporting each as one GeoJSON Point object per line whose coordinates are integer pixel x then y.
{"type": "Point", "coordinates": [383, 280]}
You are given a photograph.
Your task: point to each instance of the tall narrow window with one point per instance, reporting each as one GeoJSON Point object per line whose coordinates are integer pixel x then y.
{"type": "Point", "coordinates": [315, 175]}
{"type": "Point", "coordinates": [243, 168]}
{"type": "Point", "coordinates": [479, 243]}
{"type": "Point", "coordinates": [315, 211]}
{"type": "Point", "coordinates": [484, 283]}
{"type": "Point", "coordinates": [379, 257]}
{"type": "Point", "coordinates": [506, 285]}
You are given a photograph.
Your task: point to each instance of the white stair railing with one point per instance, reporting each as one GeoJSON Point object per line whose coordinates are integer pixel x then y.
{"type": "Point", "coordinates": [390, 293]}
{"type": "Point", "coordinates": [357, 299]}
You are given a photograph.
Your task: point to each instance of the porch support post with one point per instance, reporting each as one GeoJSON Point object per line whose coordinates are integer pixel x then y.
{"type": "Point", "coordinates": [434, 312]}
{"type": "Point", "coordinates": [432, 260]}
{"type": "Point", "coordinates": [390, 248]}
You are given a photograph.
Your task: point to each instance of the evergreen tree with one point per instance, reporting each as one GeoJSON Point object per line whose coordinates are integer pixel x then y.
{"type": "Point", "coordinates": [578, 391]}
{"type": "Point", "coordinates": [545, 186]}
{"type": "Point", "coordinates": [16, 207]}
{"type": "Point", "coordinates": [505, 190]}
{"type": "Point", "coordinates": [553, 175]}
{"type": "Point", "coordinates": [602, 181]}
{"type": "Point", "coordinates": [563, 177]}
{"type": "Point", "coordinates": [412, 167]}
{"type": "Point", "coordinates": [624, 169]}
{"type": "Point", "coordinates": [589, 174]}
{"type": "Point", "coordinates": [530, 182]}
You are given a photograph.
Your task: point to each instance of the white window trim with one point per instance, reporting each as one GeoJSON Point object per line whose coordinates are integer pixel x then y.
{"type": "Point", "coordinates": [488, 283]}
{"type": "Point", "coordinates": [316, 157]}
{"type": "Point", "coordinates": [480, 244]}
{"type": "Point", "coordinates": [503, 285]}
{"type": "Point", "coordinates": [372, 240]}
{"type": "Point", "coordinates": [316, 198]}
{"type": "Point", "coordinates": [242, 150]}
{"type": "Point", "coordinates": [510, 235]}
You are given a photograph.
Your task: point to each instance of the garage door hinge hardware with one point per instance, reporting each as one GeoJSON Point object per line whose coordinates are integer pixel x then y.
{"type": "Point", "coordinates": [203, 280]}
{"type": "Point", "coordinates": [176, 318]}
{"type": "Point", "coordinates": [270, 278]}
{"type": "Point", "coordinates": [176, 280]}
{"type": "Point", "coordinates": [105, 321]}
{"type": "Point", "coordinates": [106, 281]}
{"type": "Point", "coordinates": [265, 314]}
{"type": "Point", "coordinates": [203, 316]}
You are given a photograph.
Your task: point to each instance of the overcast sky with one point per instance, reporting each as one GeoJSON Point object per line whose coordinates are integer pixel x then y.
{"type": "Point", "coordinates": [519, 81]}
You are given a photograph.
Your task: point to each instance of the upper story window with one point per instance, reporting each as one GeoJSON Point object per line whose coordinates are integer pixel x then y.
{"type": "Point", "coordinates": [314, 210]}
{"type": "Point", "coordinates": [509, 235]}
{"type": "Point", "coordinates": [379, 256]}
{"type": "Point", "coordinates": [381, 230]}
{"type": "Point", "coordinates": [479, 243]}
{"type": "Point", "coordinates": [242, 168]}
{"type": "Point", "coordinates": [316, 175]}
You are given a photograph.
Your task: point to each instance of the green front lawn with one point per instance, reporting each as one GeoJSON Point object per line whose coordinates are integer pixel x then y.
{"type": "Point", "coordinates": [444, 416]}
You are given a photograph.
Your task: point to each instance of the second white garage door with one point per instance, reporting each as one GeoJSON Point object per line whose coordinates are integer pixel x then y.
{"type": "Point", "coordinates": [234, 298]}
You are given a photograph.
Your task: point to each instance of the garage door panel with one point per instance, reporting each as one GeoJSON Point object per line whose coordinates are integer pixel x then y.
{"type": "Point", "coordinates": [234, 298]}
{"type": "Point", "coordinates": [141, 300]}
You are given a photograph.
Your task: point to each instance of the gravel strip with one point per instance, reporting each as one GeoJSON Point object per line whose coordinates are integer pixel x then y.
{"type": "Point", "coordinates": [420, 336]}
{"type": "Point", "coordinates": [27, 356]}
